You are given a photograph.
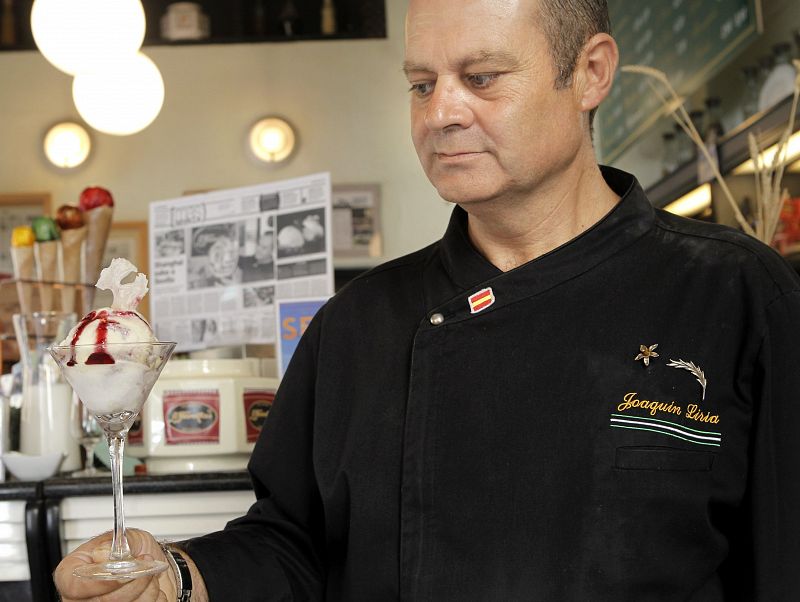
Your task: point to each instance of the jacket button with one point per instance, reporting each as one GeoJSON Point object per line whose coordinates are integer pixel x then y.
{"type": "Point", "coordinates": [437, 319]}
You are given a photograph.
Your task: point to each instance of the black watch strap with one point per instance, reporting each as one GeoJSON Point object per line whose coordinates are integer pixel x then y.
{"type": "Point", "coordinates": [182, 573]}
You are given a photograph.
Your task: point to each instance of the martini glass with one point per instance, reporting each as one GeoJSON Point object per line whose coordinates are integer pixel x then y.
{"type": "Point", "coordinates": [113, 380]}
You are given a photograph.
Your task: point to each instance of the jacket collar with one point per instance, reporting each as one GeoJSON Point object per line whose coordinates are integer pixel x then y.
{"type": "Point", "coordinates": [471, 272]}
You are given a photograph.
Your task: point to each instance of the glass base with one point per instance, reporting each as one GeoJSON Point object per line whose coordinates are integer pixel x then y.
{"type": "Point", "coordinates": [90, 472]}
{"type": "Point", "coordinates": [115, 570]}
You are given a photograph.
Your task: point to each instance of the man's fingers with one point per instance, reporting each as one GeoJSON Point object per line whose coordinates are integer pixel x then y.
{"type": "Point", "coordinates": [141, 544]}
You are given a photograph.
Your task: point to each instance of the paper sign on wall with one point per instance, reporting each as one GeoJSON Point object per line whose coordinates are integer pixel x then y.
{"type": "Point", "coordinates": [293, 319]}
{"type": "Point", "coordinates": [221, 260]}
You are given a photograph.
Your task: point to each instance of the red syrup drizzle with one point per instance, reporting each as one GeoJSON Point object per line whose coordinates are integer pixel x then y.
{"type": "Point", "coordinates": [99, 356]}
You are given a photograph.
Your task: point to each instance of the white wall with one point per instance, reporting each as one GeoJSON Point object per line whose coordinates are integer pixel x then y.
{"type": "Point", "coordinates": [347, 99]}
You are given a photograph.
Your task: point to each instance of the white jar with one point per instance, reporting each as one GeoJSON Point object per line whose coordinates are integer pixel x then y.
{"type": "Point", "coordinates": [204, 415]}
{"type": "Point", "coordinates": [184, 21]}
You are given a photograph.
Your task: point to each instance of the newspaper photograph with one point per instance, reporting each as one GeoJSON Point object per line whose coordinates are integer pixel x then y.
{"type": "Point", "coordinates": [221, 261]}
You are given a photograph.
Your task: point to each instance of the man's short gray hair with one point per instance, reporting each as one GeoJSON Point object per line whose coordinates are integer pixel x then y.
{"type": "Point", "coordinates": [568, 24]}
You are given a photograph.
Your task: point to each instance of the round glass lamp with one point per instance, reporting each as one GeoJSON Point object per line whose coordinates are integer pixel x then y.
{"type": "Point", "coordinates": [76, 35]}
{"type": "Point", "coordinates": [272, 140]}
{"type": "Point", "coordinates": [121, 98]}
{"type": "Point", "coordinates": [67, 145]}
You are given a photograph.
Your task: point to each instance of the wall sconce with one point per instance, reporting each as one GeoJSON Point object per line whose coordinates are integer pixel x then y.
{"type": "Point", "coordinates": [272, 140]}
{"type": "Point", "coordinates": [67, 145]}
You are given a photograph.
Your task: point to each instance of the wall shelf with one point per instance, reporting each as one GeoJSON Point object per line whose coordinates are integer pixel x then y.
{"type": "Point", "coordinates": [767, 126]}
{"type": "Point", "coordinates": [244, 22]}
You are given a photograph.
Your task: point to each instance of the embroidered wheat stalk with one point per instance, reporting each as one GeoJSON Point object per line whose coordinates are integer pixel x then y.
{"type": "Point", "coordinates": [694, 369]}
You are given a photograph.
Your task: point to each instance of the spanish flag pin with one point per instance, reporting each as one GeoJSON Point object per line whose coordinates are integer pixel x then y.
{"type": "Point", "coordinates": [481, 300]}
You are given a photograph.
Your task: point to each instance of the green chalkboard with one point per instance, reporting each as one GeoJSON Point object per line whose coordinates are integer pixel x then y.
{"type": "Point", "coordinates": [690, 40]}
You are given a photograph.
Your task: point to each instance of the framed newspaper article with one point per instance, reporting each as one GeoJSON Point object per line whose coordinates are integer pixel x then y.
{"type": "Point", "coordinates": [356, 220]}
{"type": "Point", "coordinates": [18, 210]}
{"type": "Point", "coordinates": [221, 260]}
{"type": "Point", "coordinates": [128, 240]}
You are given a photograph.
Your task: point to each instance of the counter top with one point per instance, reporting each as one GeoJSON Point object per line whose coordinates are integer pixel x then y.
{"type": "Point", "coordinates": [63, 486]}
{"type": "Point", "coordinates": [18, 490]}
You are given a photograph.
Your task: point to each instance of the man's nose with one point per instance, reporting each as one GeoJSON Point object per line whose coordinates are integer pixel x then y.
{"type": "Point", "coordinates": [448, 107]}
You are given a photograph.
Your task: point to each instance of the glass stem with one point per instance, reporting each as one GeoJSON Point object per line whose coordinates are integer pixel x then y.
{"type": "Point", "coordinates": [119, 546]}
{"type": "Point", "coordinates": [89, 449]}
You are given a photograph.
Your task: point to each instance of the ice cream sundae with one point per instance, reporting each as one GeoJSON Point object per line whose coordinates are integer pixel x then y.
{"type": "Point", "coordinates": [111, 354]}
{"type": "Point", "coordinates": [112, 360]}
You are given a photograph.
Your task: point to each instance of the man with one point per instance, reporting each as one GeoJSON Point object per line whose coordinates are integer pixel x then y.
{"type": "Point", "coordinates": [571, 396]}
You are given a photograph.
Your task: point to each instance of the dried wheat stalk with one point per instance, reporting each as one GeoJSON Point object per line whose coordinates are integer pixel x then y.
{"type": "Point", "coordinates": [770, 197]}
{"type": "Point", "coordinates": [674, 105]}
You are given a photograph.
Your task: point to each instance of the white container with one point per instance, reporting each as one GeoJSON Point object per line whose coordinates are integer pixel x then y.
{"type": "Point", "coordinates": [44, 417]}
{"type": "Point", "coordinates": [204, 415]}
{"type": "Point", "coordinates": [184, 21]}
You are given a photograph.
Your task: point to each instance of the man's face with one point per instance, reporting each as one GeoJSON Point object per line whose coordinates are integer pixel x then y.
{"type": "Point", "coordinates": [486, 118]}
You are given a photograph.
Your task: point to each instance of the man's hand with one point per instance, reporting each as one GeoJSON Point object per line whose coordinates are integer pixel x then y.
{"type": "Point", "coordinates": [158, 588]}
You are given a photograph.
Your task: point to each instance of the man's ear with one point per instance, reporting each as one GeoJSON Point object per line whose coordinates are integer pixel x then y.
{"type": "Point", "coordinates": [595, 70]}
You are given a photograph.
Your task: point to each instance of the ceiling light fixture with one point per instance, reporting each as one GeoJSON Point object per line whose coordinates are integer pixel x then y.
{"type": "Point", "coordinates": [120, 98]}
{"type": "Point", "coordinates": [76, 35]}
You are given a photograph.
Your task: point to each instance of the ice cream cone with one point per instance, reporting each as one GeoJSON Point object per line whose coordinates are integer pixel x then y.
{"type": "Point", "coordinates": [98, 224]}
{"type": "Point", "coordinates": [70, 264]}
{"type": "Point", "coordinates": [22, 260]}
{"type": "Point", "coordinates": [46, 255]}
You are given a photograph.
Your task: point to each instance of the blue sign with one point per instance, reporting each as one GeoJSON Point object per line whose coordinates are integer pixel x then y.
{"type": "Point", "coordinates": [293, 319]}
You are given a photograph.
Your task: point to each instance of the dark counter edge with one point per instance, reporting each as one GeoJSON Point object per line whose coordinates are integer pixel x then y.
{"type": "Point", "coordinates": [19, 490]}
{"type": "Point", "coordinates": [62, 487]}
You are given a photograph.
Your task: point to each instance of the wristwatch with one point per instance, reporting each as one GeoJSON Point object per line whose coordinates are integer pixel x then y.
{"type": "Point", "coordinates": [183, 577]}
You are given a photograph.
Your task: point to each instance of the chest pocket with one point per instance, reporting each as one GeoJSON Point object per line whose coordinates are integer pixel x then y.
{"type": "Point", "coordinates": [663, 459]}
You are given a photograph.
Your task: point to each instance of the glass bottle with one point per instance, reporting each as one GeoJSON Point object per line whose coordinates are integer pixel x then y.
{"type": "Point", "coordinates": [669, 158]}
{"type": "Point", "coordinates": [780, 82]}
{"type": "Point", "coordinates": [8, 30]}
{"type": "Point", "coordinates": [711, 133]}
{"type": "Point", "coordinates": [697, 117]}
{"type": "Point", "coordinates": [751, 90]}
{"type": "Point", "coordinates": [328, 18]}
{"type": "Point", "coordinates": [682, 145]}
{"type": "Point", "coordinates": [796, 35]}
{"type": "Point", "coordinates": [259, 18]}
{"type": "Point", "coordinates": [712, 124]}
{"type": "Point", "coordinates": [765, 65]}
{"type": "Point", "coordinates": [289, 16]}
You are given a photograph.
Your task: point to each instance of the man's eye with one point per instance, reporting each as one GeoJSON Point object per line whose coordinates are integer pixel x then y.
{"type": "Point", "coordinates": [421, 89]}
{"type": "Point", "coordinates": [482, 80]}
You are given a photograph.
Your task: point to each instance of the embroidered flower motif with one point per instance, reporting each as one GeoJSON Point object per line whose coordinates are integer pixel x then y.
{"type": "Point", "coordinates": [647, 353]}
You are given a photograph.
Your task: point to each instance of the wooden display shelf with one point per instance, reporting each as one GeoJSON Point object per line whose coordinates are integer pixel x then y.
{"type": "Point", "coordinates": [767, 127]}
{"type": "Point", "coordinates": [241, 21]}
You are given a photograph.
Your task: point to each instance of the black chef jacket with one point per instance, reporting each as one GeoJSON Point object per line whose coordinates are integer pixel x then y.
{"type": "Point", "coordinates": [446, 431]}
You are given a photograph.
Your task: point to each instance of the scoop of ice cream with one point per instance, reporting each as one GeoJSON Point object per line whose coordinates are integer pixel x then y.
{"type": "Point", "coordinates": [45, 229]}
{"type": "Point", "coordinates": [22, 236]}
{"type": "Point", "coordinates": [120, 323]}
{"type": "Point", "coordinates": [95, 196]}
{"type": "Point", "coordinates": [130, 379]}
{"type": "Point", "coordinates": [69, 217]}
